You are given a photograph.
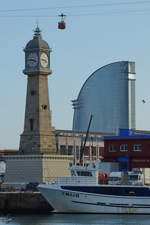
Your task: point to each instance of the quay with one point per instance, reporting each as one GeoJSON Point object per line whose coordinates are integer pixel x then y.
{"type": "Point", "coordinates": [20, 201]}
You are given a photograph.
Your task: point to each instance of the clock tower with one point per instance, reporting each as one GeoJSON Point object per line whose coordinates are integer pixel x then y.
{"type": "Point", "coordinates": [38, 136]}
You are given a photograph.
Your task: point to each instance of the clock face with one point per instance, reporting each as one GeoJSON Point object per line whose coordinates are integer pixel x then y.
{"type": "Point", "coordinates": [32, 60]}
{"type": "Point", "coordinates": [44, 60]}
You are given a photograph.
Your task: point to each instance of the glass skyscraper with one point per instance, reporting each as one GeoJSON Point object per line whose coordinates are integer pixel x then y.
{"type": "Point", "coordinates": [109, 95]}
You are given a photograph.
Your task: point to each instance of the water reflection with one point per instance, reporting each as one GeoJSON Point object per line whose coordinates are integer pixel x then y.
{"type": "Point", "coordinates": [75, 219]}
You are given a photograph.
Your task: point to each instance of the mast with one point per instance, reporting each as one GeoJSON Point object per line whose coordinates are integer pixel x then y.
{"type": "Point", "coordinates": [83, 147]}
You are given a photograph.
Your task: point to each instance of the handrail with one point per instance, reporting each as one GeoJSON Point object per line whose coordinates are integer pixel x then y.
{"type": "Point", "coordinates": [71, 180]}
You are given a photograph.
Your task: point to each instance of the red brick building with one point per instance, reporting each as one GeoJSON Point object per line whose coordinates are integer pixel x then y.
{"type": "Point", "coordinates": [130, 150]}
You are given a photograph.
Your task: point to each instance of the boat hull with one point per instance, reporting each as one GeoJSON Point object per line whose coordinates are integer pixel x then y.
{"type": "Point", "coordinates": [64, 200]}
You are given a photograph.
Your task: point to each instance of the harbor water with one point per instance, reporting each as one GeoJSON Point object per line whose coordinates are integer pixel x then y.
{"type": "Point", "coordinates": [74, 219]}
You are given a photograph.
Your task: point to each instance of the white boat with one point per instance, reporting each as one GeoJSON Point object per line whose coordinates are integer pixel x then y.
{"type": "Point", "coordinates": [82, 193]}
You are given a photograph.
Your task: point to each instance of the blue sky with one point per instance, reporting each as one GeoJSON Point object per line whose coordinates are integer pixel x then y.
{"type": "Point", "coordinates": [98, 33]}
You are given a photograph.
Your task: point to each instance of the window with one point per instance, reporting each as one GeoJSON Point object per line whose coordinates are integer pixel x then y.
{"type": "Point", "coordinates": [84, 173]}
{"type": "Point", "coordinates": [129, 192]}
{"type": "Point", "coordinates": [73, 173]}
{"type": "Point", "coordinates": [70, 150]}
{"type": "Point", "coordinates": [110, 191]}
{"type": "Point", "coordinates": [62, 150]}
{"type": "Point", "coordinates": [44, 107]}
{"type": "Point", "coordinates": [124, 148]}
{"type": "Point", "coordinates": [77, 152]}
{"type": "Point", "coordinates": [31, 124]}
{"type": "Point", "coordinates": [33, 92]}
{"type": "Point", "coordinates": [137, 147]}
{"type": "Point", "coordinates": [112, 148]}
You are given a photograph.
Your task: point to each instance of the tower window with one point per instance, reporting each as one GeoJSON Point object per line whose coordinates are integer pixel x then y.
{"type": "Point", "coordinates": [33, 92]}
{"type": "Point", "coordinates": [44, 107]}
{"type": "Point", "coordinates": [31, 124]}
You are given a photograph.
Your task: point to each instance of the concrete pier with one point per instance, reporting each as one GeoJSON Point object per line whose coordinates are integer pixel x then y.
{"type": "Point", "coordinates": [23, 202]}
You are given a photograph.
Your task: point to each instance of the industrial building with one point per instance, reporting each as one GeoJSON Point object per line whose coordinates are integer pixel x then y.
{"type": "Point", "coordinates": [69, 142]}
{"type": "Point", "coordinates": [129, 149]}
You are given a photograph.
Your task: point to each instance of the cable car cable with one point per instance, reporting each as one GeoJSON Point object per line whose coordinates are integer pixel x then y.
{"type": "Point", "coordinates": [78, 6]}
{"type": "Point", "coordinates": [132, 12]}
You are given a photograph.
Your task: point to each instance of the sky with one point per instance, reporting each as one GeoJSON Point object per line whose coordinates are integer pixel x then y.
{"type": "Point", "coordinates": [97, 33]}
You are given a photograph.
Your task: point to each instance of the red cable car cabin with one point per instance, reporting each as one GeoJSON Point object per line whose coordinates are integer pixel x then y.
{"type": "Point", "coordinates": [62, 25]}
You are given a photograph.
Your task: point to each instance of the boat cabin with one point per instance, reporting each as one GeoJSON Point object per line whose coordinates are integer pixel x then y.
{"type": "Point", "coordinates": [85, 170]}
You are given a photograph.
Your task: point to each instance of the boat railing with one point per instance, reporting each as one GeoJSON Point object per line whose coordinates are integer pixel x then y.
{"type": "Point", "coordinates": [51, 180]}
{"type": "Point", "coordinates": [71, 180]}
{"type": "Point", "coordinates": [92, 181]}
{"type": "Point", "coordinates": [78, 180]}
{"type": "Point", "coordinates": [119, 181]}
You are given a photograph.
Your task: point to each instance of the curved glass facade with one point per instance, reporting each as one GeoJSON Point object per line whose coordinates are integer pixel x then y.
{"type": "Point", "coordinates": [108, 94]}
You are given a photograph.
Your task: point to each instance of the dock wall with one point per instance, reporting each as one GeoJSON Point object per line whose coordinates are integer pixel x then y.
{"type": "Point", "coordinates": [23, 202]}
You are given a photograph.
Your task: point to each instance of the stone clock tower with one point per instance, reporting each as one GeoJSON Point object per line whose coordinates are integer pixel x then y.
{"type": "Point", "coordinates": [37, 161]}
{"type": "Point", "coordinates": [38, 136]}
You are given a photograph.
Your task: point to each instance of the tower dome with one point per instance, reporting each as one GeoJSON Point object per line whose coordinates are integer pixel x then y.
{"type": "Point", "coordinates": [37, 42]}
